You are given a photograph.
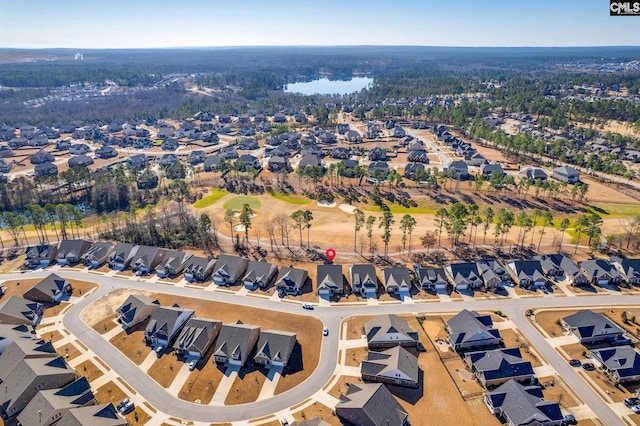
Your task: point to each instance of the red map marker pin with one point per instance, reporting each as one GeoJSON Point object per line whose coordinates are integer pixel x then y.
{"type": "Point", "coordinates": [330, 253]}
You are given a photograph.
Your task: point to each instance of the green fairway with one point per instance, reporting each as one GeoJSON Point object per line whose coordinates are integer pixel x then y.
{"type": "Point", "coordinates": [211, 199]}
{"type": "Point", "coordinates": [291, 199]}
{"type": "Point", "coordinates": [236, 203]}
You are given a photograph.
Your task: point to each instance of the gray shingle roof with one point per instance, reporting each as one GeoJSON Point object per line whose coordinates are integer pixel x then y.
{"type": "Point", "coordinates": [587, 323]}
{"type": "Point", "coordinates": [48, 402]}
{"type": "Point", "coordinates": [260, 272]}
{"type": "Point", "coordinates": [16, 310]}
{"type": "Point", "coordinates": [370, 405]}
{"type": "Point", "coordinates": [230, 266]}
{"type": "Point", "coordinates": [199, 266]}
{"type": "Point", "coordinates": [94, 415]}
{"type": "Point", "coordinates": [197, 335]}
{"type": "Point", "coordinates": [500, 363]}
{"type": "Point", "coordinates": [98, 252]}
{"type": "Point", "coordinates": [73, 248]}
{"type": "Point", "coordinates": [469, 326]}
{"type": "Point", "coordinates": [397, 277]}
{"type": "Point", "coordinates": [330, 276]}
{"type": "Point", "coordinates": [235, 341]}
{"type": "Point", "coordinates": [132, 306]}
{"type": "Point", "coordinates": [382, 325]}
{"type": "Point", "coordinates": [622, 359]}
{"type": "Point", "coordinates": [292, 278]}
{"type": "Point", "coordinates": [164, 321]}
{"type": "Point", "coordinates": [47, 289]}
{"type": "Point", "coordinates": [522, 405]}
{"type": "Point", "coordinates": [390, 361]}
{"type": "Point", "coordinates": [275, 345]}
{"type": "Point", "coordinates": [363, 273]}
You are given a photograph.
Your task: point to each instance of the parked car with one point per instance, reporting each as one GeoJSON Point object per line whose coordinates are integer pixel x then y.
{"type": "Point", "coordinates": [307, 306]}
{"type": "Point", "coordinates": [569, 419]}
{"type": "Point", "coordinates": [126, 406]}
{"type": "Point", "coordinates": [325, 331]}
{"type": "Point", "coordinates": [636, 409]}
{"type": "Point", "coordinates": [587, 366]}
{"type": "Point", "coordinates": [192, 364]}
{"type": "Point", "coordinates": [574, 362]}
{"type": "Point", "coordinates": [630, 402]}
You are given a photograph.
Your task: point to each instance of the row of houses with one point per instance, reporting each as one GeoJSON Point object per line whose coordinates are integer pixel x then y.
{"type": "Point", "coordinates": [40, 388]}
{"type": "Point", "coordinates": [511, 395]}
{"type": "Point", "coordinates": [178, 329]}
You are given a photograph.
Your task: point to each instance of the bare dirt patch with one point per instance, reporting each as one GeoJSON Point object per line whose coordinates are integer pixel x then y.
{"type": "Point", "coordinates": [165, 369]}
{"type": "Point", "coordinates": [19, 287]}
{"type": "Point", "coordinates": [513, 339]}
{"type": "Point", "coordinates": [355, 356]}
{"type": "Point", "coordinates": [201, 384]}
{"type": "Point", "coordinates": [355, 326]}
{"type": "Point", "coordinates": [131, 343]}
{"type": "Point", "coordinates": [81, 288]}
{"type": "Point", "coordinates": [318, 410]}
{"type": "Point", "coordinates": [342, 385]}
{"type": "Point", "coordinates": [89, 370]}
{"type": "Point", "coordinates": [68, 351]}
{"type": "Point", "coordinates": [55, 310]}
{"type": "Point", "coordinates": [52, 336]}
{"type": "Point", "coordinates": [555, 389]}
{"type": "Point", "coordinates": [246, 387]}
{"type": "Point", "coordinates": [106, 324]}
{"type": "Point", "coordinates": [548, 321]}
{"type": "Point", "coordinates": [105, 306]}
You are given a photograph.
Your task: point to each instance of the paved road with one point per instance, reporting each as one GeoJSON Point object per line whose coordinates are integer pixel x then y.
{"type": "Point", "coordinates": [332, 317]}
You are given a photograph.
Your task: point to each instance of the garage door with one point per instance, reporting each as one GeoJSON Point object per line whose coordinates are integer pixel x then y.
{"type": "Point", "coordinates": [603, 282]}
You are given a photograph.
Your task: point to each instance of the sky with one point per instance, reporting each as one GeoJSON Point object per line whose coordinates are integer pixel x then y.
{"type": "Point", "coordinates": [171, 23]}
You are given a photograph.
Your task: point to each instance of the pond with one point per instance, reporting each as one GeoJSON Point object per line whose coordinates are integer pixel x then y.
{"type": "Point", "coordinates": [324, 86]}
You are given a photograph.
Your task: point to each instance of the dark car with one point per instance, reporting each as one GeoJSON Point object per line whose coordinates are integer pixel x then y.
{"type": "Point", "coordinates": [574, 362]}
{"type": "Point", "coordinates": [630, 402]}
{"type": "Point", "coordinates": [569, 419]}
{"type": "Point", "coordinates": [587, 366]}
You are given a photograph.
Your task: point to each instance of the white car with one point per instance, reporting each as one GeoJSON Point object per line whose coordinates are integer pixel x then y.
{"type": "Point", "coordinates": [307, 306]}
{"type": "Point", "coordinates": [192, 365]}
{"type": "Point", "coordinates": [325, 331]}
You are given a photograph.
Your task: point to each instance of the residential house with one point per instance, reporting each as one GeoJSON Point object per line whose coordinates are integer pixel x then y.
{"type": "Point", "coordinates": [106, 151]}
{"type": "Point", "coordinates": [246, 160]}
{"type": "Point", "coordinates": [487, 169]}
{"type": "Point", "coordinates": [51, 289]}
{"type": "Point", "coordinates": [497, 366]}
{"type": "Point", "coordinates": [371, 405]}
{"type": "Point", "coordinates": [137, 161]}
{"type": "Point", "coordinates": [259, 274]}
{"type": "Point", "coordinates": [45, 169]}
{"type": "Point", "coordinates": [378, 172]}
{"type": "Point", "coordinates": [22, 349]}
{"type": "Point", "coordinates": [172, 264]}
{"type": "Point", "coordinates": [470, 330]}
{"type": "Point", "coordinates": [274, 348]}
{"type": "Point", "coordinates": [144, 259]}
{"type": "Point", "coordinates": [196, 337]}
{"type": "Point", "coordinates": [412, 170]}
{"type": "Point", "coordinates": [558, 265]}
{"type": "Point", "coordinates": [363, 279]}
{"type": "Point", "coordinates": [198, 268]}
{"type": "Point", "coordinates": [40, 255]}
{"type": "Point", "coordinates": [342, 128]}
{"type": "Point", "coordinates": [165, 324]}
{"type": "Point", "coordinates": [169, 160]}
{"type": "Point", "coordinates": [70, 252]}
{"type": "Point", "coordinates": [97, 254]}
{"type": "Point", "coordinates": [494, 275]}
{"type": "Point", "coordinates": [309, 160]}
{"type": "Point", "coordinates": [352, 136]}
{"type": "Point", "coordinates": [377, 154]}
{"type": "Point", "coordinates": [79, 149]}
{"type": "Point", "coordinates": [229, 269]}
{"type": "Point", "coordinates": [48, 406]}
{"type": "Point", "coordinates": [464, 275]}
{"type": "Point", "coordinates": [398, 132]}
{"type": "Point", "coordinates": [16, 310]}
{"type": "Point", "coordinates": [30, 376]}
{"type": "Point", "coordinates": [278, 163]}
{"type": "Point", "coordinates": [327, 138]}
{"type": "Point", "coordinates": [279, 117]}
{"type": "Point", "coordinates": [5, 166]}
{"type": "Point", "coordinates": [212, 163]}
{"type": "Point", "coordinates": [196, 157]}
{"type": "Point", "coordinates": [521, 405]}
{"type": "Point", "coordinates": [291, 280]}
{"type": "Point", "coordinates": [12, 332]}
{"type": "Point", "coordinates": [42, 157]}
{"type": "Point", "coordinates": [418, 156]}
{"type": "Point", "coordinates": [63, 145]}
{"type": "Point", "coordinates": [534, 174]}
{"type": "Point", "coordinates": [93, 415]}
{"type": "Point", "coordinates": [431, 277]}
{"type": "Point", "coordinates": [628, 268]}
{"type": "Point", "coordinates": [566, 174]}
{"type": "Point", "coordinates": [458, 170]}
{"type": "Point", "coordinates": [169, 144]}
{"type": "Point", "coordinates": [329, 280]}
{"type": "Point", "coordinates": [589, 327]}
{"type": "Point", "coordinates": [228, 153]}
{"type": "Point", "coordinates": [527, 273]}
{"type": "Point", "coordinates": [248, 145]}
{"type": "Point", "coordinates": [396, 280]}
{"type": "Point", "coordinates": [394, 366]}
{"type": "Point", "coordinates": [622, 363]}
{"type": "Point", "coordinates": [136, 309]}
{"type": "Point", "coordinates": [600, 272]}
{"type": "Point", "coordinates": [385, 331]}
{"type": "Point", "coordinates": [235, 343]}
{"type": "Point", "coordinates": [340, 153]}
{"type": "Point", "coordinates": [80, 161]}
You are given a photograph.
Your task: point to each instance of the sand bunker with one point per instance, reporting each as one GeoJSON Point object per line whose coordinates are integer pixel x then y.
{"type": "Point", "coordinates": [323, 203]}
{"type": "Point", "coordinates": [347, 208]}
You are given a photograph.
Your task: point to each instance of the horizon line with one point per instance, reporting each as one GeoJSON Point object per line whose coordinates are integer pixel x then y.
{"type": "Point", "coordinates": [327, 46]}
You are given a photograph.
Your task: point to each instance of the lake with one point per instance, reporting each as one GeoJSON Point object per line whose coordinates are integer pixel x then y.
{"type": "Point", "coordinates": [324, 86]}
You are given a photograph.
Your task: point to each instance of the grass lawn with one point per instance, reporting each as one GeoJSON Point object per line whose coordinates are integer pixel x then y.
{"type": "Point", "coordinates": [291, 199]}
{"type": "Point", "coordinates": [398, 209]}
{"type": "Point", "coordinates": [246, 387]}
{"type": "Point", "coordinates": [165, 369]}
{"type": "Point", "coordinates": [211, 199]}
{"type": "Point", "coordinates": [201, 383]}
{"type": "Point", "coordinates": [236, 203]}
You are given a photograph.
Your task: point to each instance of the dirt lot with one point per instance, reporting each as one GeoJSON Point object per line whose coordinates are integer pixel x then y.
{"type": "Point", "coordinates": [109, 392]}
{"type": "Point", "coordinates": [355, 356]}
{"type": "Point", "coordinates": [201, 383]}
{"type": "Point", "coordinates": [89, 370]}
{"type": "Point", "coordinates": [68, 351]}
{"type": "Point", "coordinates": [548, 321]}
{"type": "Point", "coordinates": [106, 324]}
{"type": "Point", "coordinates": [342, 385]}
{"type": "Point", "coordinates": [55, 310]}
{"type": "Point", "coordinates": [319, 410]}
{"type": "Point", "coordinates": [556, 390]}
{"type": "Point", "coordinates": [131, 343]}
{"type": "Point", "coordinates": [247, 386]}
{"type": "Point", "coordinates": [165, 369]}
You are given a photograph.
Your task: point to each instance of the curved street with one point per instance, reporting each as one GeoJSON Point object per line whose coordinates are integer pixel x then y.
{"type": "Point", "coordinates": [332, 316]}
